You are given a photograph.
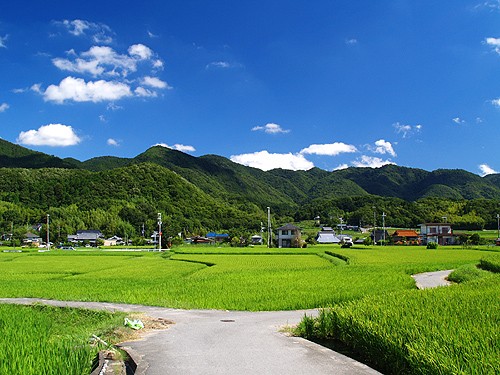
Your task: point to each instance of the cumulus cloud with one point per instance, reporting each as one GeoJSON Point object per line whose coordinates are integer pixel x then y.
{"type": "Point", "coordinates": [340, 167]}
{"type": "Point", "coordinates": [486, 169]}
{"type": "Point", "coordinates": [76, 89]}
{"type": "Point", "coordinates": [330, 149]}
{"type": "Point", "coordinates": [406, 130]}
{"type": "Point", "coordinates": [267, 161]}
{"type": "Point", "coordinates": [56, 135]}
{"type": "Point", "coordinates": [104, 60]}
{"type": "Point", "coordinates": [155, 82]}
{"type": "Point", "coordinates": [112, 142]}
{"type": "Point", "coordinates": [458, 120]}
{"type": "Point", "coordinates": [270, 128]}
{"type": "Point", "coordinates": [4, 107]}
{"type": "Point", "coordinates": [178, 147]}
{"type": "Point", "coordinates": [383, 147]}
{"type": "Point", "coordinates": [351, 42]}
{"type": "Point", "coordinates": [370, 162]}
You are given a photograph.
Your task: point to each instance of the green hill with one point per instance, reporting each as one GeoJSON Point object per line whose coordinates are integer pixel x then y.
{"type": "Point", "coordinates": [15, 156]}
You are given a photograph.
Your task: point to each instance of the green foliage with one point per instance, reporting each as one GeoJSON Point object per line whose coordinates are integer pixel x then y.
{"type": "Point", "coordinates": [491, 263]}
{"type": "Point", "coordinates": [51, 340]}
{"type": "Point", "coordinates": [466, 273]}
{"type": "Point", "coordinates": [432, 245]}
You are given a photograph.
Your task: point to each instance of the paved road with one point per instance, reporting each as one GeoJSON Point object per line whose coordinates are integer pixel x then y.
{"type": "Point", "coordinates": [224, 342]}
{"type": "Point", "coordinates": [432, 279]}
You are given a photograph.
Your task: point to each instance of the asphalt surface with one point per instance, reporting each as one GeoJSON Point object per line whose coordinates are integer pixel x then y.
{"type": "Point", "coordinates": [223, 342]}
{"type": "Point", "coordinates": [432, 279]}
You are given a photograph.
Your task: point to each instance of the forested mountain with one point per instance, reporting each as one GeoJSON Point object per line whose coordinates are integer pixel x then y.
{"type": "Point", "coordinates": [119, 195]}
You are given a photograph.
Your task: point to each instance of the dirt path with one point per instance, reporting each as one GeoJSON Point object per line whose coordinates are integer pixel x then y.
{"type": "Point", "coordinates": [224, 342]}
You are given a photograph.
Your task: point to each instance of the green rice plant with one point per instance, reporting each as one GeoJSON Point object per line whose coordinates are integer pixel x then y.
{"type": "Point", "coordinates": [491, 263]}
{"type": "Point", "coordinates": [50, 340]}
{"type": "Point", "coordinates": [449, 330]}
{"type": "Point", "coordinates": [466, 273]}
{"type": "Point", "coordinates": [263, 281]}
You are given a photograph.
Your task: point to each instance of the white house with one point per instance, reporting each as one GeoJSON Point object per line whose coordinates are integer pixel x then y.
{"type": "Point", "coordinates": [441, 233]}
{"type": "Point", "coordinates": [288, 236]}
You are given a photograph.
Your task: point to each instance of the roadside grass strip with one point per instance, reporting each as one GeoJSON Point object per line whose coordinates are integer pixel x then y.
{"type": "Point", "coordinates": [40, 339]}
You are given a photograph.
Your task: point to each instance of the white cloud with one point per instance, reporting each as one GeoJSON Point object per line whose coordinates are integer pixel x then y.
{"type": "Point", "coordinates": [103, 60]}
{"type": "Point", "coordinates": [4, 107]}
{"type": "Point", "coordinates": [3, 39]}
{"type": "Point", "coordinates": [155, 82]}
{"type": "Point", "coordinates": [267, 161]}
{"type": "Point", "coordinates": [351, 41]}
{"type": "Point", "coordinates": [218, 65]}
{"type": "Point", "coordinates": [140, 51]}
{"type": "Point", "coordinates": [100, 33]}
{"type": "Point", "coordinates": [371, 162]}
{"type": "Point", "coordinates": [37, 87]}
{"type": "Point", "coordinates": [330, 149]}
{"type": "Point", "coordinates": [340, 167]}
{"type": "Point", "coordinates": [384, 147]}
{"type": "Point", "coordinates": [494, 42]}
{"type": "Point", "coordinates": [145, 93]}
{"type": "Point", "coordinates": [78, 90]}
{"type": "Point", "coordinates": [486, 169]}
{"type": "Point", "coordinates": [496, 102]}
{"type": "Point", "coordinates": [56, 135]}
{"type": "Point", "coordinates": [112, 142]}
{"type": "Point", "coordinates": [270, 128]}
{"type": "Point", "coordinates": [407, 130]}
{"type": "Point", "coordinates": [458, 120]}
{"type": "Point", "coordinates": [479, 120]}
{"type": "Point", "coordinates": [178, 147]}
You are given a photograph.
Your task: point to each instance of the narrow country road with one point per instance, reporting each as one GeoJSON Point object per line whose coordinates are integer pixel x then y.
{"type": "Point", "coordinates": [432, 279]}
{"type": "Point", "coordinates": [224, 342]}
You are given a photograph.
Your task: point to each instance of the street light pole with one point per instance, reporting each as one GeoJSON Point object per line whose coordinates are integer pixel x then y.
{"type": "Point", "coordinates": [341, 225]}
{"type": "Point", "coordinates": [374, 225]}
{"type": "Point", "coordinates": [159, 231]}
{"type": "Point", "coordinates": [383, 226]}
{"type": "Point", "coordinates": [269, 238]}
{"type": "Point", "coordinates": [48, 235]}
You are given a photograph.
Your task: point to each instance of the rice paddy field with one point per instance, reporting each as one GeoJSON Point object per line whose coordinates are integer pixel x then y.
{"type": "Point", "coordinates": [372, 302]}
{"type": "Point", "coordinates": [50, 340]}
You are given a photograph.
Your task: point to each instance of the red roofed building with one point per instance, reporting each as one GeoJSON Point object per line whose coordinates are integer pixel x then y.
{"type": "Point", "coordinates": [405, 237]}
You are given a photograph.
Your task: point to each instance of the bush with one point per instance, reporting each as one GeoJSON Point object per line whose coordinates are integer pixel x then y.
{"type": "Point", "coordinates": [432, 245]}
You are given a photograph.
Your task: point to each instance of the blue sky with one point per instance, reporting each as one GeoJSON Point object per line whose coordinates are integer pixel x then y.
{"type": "Point", "coordinates": [290, 84]}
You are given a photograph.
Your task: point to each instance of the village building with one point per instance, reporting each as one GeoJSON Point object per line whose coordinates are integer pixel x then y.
{"type": "Point", "coordinates": [405, 237]}
{"type": "Point", "coordinates": [440, 233]}
{"type": "Point", "coordinates": [327, 235]}
{"type": "Point", "coordinates": [288, 236]}
{"type": "Point", "coordinates": [86, 237]}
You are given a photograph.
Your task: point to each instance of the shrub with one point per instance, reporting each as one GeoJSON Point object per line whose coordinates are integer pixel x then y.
{"type": "Point", "coordinates": [432, 245]}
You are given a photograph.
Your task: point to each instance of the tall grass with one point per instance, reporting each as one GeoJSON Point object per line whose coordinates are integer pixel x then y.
{"type": "Point", "coordinates": [447, 330]}
{"type": "Point", "coordinates": [50, 340]}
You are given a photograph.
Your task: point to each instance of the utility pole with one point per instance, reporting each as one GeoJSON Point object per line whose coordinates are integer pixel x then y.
{"type": "Point", "coordinates": [269, 237]}
{"type": "Point", "coordinates": [48, 235]}
{"type": "Point", "coordinates": [498, 225]}
{"type": "Point", "coordinates": [383, 226]}
{"type": "Point", "coordinates": [374, 226]}
{"type": "Point", "coordinates": [159, 231]}
{"type": "Point", "coordinates": [341, 225]}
